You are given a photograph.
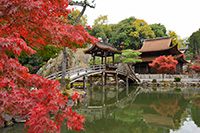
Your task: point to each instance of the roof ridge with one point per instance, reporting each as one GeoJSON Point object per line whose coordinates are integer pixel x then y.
{"type": "Point", "coordinates": [158, 38]}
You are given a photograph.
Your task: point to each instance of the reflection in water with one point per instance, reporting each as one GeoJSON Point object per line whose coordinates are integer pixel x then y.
{"type": "Point", "coordinates": [114, 109]}
{"type": "Point", "coordinates": [166, 107]}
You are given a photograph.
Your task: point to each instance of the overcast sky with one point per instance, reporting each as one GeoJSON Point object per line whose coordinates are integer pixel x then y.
{"type": "Point", "coordinates": [181, 16]}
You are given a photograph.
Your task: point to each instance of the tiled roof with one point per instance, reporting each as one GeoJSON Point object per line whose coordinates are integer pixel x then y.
{"type": "Point", "coordinates": [103, 46]}
{"type": "Point", "coordinates": [157, 44]}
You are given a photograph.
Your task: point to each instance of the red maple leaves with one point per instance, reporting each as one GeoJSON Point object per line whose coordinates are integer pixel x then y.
{"type": "Point", "coordinates": [164, 64]}
{"type": "Point", "coordinates": [196, 66]}
{"type": "Point", "coordinates": [24, 24]}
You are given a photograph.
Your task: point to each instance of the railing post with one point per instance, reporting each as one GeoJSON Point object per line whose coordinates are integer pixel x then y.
{"type": "Point", "coordinates": [84, 82]}
{"type": "Point", "coordinates": [78, 72]}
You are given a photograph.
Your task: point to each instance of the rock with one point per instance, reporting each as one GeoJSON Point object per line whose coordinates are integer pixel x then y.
{"type": "Point", "coordinates": [74, 59]}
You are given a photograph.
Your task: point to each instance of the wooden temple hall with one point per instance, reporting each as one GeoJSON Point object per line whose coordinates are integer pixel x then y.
{"type": "Point", "coordinates": [103, 50]}
{"type": "Point", "coordinates": [153, 48]}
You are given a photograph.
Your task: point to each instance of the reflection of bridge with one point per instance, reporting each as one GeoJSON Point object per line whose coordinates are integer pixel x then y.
{"type": "Point", "coordinates": [77, 73]}
{"type": "Point", "coordinates": [100, 111]}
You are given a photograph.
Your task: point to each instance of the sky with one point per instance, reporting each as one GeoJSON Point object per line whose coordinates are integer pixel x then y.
{"type": "Point", "coordinates": [180, 16]}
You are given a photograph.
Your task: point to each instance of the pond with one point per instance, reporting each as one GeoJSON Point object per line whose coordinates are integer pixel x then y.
{"type": "Point", "coordinates": [137, 110]}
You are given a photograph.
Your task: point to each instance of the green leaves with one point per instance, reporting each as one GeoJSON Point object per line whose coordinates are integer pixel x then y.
{"type": "Point", "coordinates": [127, 56]}
{"type": "Point", "coordinates": [159, 30]}
{"type": "Point", "coordinates": [130, 32]}
{"type": "Point", "coordinates": [194, 40]}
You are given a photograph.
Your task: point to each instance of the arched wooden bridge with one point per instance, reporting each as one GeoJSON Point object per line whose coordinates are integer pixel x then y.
{"type": "Point", "coordinates": [78, 72]}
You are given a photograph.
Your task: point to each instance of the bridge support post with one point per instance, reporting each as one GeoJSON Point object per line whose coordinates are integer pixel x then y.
{"type": "Point", "coordinates": [103, 99]}
{"type": "Point", "coordinates": [127, 85]}
{"type": "Point", "coordinates": [103, 78]}
{"type": "Point", "coordinates": [117, 93]}
{"type": "Point", "coordinates": [116, 80]}
{"type": "Point", "coordinates": [90, 80]}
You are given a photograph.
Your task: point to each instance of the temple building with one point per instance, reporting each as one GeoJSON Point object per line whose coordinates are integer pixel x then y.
{"type": "Point", "coordinates": [153, 48]}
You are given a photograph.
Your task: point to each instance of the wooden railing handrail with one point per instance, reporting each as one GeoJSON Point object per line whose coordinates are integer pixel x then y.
{"type": "Point", "coordinates": [76, 70]}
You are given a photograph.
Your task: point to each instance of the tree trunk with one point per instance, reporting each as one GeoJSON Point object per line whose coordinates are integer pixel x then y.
{"type": "Point", "coordinates": [163, 76]}
{"type": "Point", "coordinates": [63, 81]}
{"type": "Point", "coordinates": [81, 14]}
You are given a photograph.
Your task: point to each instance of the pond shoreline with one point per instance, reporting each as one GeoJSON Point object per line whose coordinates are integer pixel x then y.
{"type": "Point", "coordinates": [169, 84]}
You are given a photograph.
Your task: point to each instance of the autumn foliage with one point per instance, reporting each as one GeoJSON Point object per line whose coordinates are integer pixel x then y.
{"type": "Point", "coordinates": [196, 66]}
{"type": "Point", "coordinates": [33, 23]}
{"type": "Point", "coordinates": [164, 64]}
{"type": "Point", "coordinates": [166, 107]}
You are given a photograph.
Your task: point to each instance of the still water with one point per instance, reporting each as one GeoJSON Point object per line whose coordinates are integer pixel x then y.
{"type": "Point", "coordinates": [137, 110]}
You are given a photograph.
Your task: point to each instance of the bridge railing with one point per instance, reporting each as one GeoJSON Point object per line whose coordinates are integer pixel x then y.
{"type": "Point", "coordinates": [127, 71]}
{"type": "Point", "coordinates": [77, 70]}
{"type": "Point", "coordinates": [84, 70]}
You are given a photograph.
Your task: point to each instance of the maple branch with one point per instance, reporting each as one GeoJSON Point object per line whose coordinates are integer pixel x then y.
{"type": "Point", "coordinates": [82, 4]}
{"type": "Point", "coordinates": [9, 24]}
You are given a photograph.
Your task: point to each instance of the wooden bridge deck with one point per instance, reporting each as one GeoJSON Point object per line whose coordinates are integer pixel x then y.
{"type": "Point", "coordinates": [78, 72]}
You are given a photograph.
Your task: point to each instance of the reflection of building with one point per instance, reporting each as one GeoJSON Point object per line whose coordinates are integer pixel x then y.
{"type": "Point", "coordinates": [153, 48]}
{"type": "Point", "coordinates": [157, 120]}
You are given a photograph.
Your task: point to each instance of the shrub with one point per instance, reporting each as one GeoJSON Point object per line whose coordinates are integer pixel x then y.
{"type": "Point", "coordinates": [65, 93]}
{"type": "Point", "coordinates": [177, 79]}
{"type": "Point", "coordinates": [154, 81]}
{"type": "Point", "coordinates": [67, 80]}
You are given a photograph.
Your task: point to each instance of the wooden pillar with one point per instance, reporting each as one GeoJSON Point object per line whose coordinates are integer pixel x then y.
{"type": "Point", "coordinates": [93, 59]}
{"type": "Point", "coordinates": [127, 85]}
{"type": "Point", "coordinates": [105, 59]}
{"type": "Point", "coordinates": [103, 98]}
{"type": "Point", "coordinates": [103, 79]}
{"type": "Point", "coordinates": [147, 70]}
{"type": "Point", "coordinates": [90, 80]}
{"type": "Point", "coordinates": [113, 60]}
{"type": "Point", "coordinates": [116, 79]}
{"type": "Point", "coordinates": [117, 96]}
{"type": "Point", "coordinates": [102, 60]}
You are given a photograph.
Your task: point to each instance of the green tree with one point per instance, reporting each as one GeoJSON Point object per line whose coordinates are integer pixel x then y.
{"type": "Point", "coordinates": [159, 30]}
{"type": "Point", "coordinates": [128, 57]}
{"type": "Point", "coordinates": [101, 20]}
{"type": "Point", "coordinates": [176, 39]}
{"type": "Point", "coordinates": [130, 34]}
{"type": "Point", "coordinates": [35, 61]}
{"type": "Point", "coordinates": [101, 28]}
{"type": "Point", "coordinates": [194, 41]}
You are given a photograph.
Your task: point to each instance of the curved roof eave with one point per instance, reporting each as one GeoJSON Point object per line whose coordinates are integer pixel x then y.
{"type": "Point", "coordinates": [106, 48]}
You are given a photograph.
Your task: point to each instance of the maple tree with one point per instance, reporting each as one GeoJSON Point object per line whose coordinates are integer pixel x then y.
{"type": "Point", "coordinates": [196, 66]}
{"type": "Point", "coordinates": [164, 64]}
{"type": "Point", "coordinates": [84, 4]}
{"type": "Point", "coordinates": [34, 23]}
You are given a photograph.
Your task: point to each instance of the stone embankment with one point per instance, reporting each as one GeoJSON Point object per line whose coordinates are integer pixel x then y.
{"type": "Point", "coordinates": [186, 80]}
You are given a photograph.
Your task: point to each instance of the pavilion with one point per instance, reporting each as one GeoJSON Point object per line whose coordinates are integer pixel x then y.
{"type": "Point", "coordinates": [103, 50]}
